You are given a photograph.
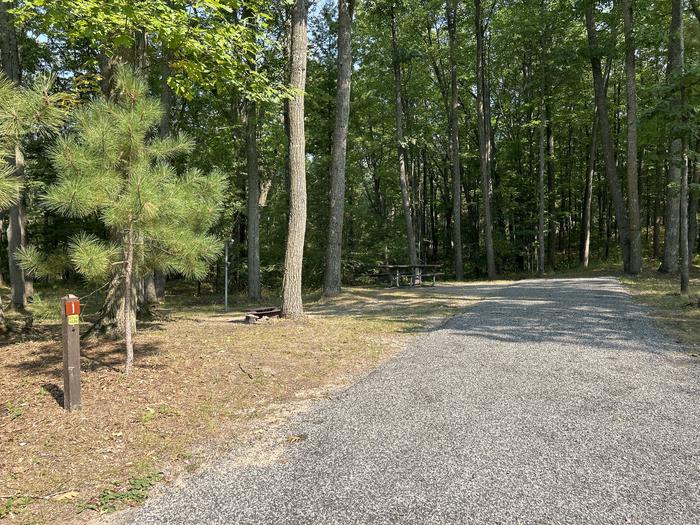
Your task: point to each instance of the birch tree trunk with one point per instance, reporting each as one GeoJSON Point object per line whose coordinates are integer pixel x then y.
{"type": "Point", "coordinates": [635, 233]}
{"type": "Point", "coordinates": [403, 180]}
{"type": "Point", "coordinates": [673, 204]}
{"type": "Point", "coordinates": [601, 98]}
{"type": "Point", "coordinates": [451, 7]}
{"type": "Point", "coordinates": [333, 274]}
{"type": "Point", "coordinates": [291, 284]}
{"type": "Point", "coordinates": [484, 127]}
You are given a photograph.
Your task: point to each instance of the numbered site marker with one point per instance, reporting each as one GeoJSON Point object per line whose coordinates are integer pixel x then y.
{"type": "Point", "coordinates": [70, 315]}
{"type": "Point", "coordinates": [72, 306]}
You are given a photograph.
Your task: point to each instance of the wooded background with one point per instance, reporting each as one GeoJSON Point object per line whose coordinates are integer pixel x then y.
{"type": "Point", "coordinates": [496, 137]}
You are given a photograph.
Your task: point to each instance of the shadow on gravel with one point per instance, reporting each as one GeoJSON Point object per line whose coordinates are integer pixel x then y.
{"type": "Point", "coordinates": [596, 313]}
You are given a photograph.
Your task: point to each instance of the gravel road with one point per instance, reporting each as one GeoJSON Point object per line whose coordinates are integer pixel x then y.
{"type": "Point", "coordinates": [550, 401]}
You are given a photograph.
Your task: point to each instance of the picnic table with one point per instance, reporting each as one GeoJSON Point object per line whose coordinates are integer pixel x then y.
{"type": "Point", "coordinates": [414, 273]}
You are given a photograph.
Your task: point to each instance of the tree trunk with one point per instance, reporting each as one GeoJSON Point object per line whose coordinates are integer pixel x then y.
{"type": "Point", "coordinates": [16, 227]}
{"type": "Point", "coordinates": [588, 195]}
{"type": "Point", "coordinates": [484, 128]}
{"type": "Point", "coordinates": [551, 194]}
{"type": "Point", "coordinates": [635, 233]}
{"type": "Point", "coordinates": [17, 237]}
{"type": "Point", "coordinates": [403, 181]}
{"type": "Point", "coordinates": [601, 98]}
{"type": "Point", "coordinates": [253, 215]}
{"type": "Point", "coordinates": [685, 249]}
{"type": "Point", "coordinates": [128, 309]}
{"type": "Point", "coordinates": [333, 274]}
{"type": "Point", "coordinates": [541, 196]}
{"type": "Point", "coordinates": [9, 50]}
{"type": "Point", "coordinates": [291, 285]}
{"type": "Point", "coordinates": [672, 217]}
{"type": "Point", "coordinates": [451, 7]}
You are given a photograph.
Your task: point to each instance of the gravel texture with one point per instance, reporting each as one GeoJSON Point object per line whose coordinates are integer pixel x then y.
{"type": "Point", "coordinates": [550, 401]}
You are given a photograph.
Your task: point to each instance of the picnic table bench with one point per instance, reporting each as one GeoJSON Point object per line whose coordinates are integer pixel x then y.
{"type": "Point", "coordinates": [413, 273]}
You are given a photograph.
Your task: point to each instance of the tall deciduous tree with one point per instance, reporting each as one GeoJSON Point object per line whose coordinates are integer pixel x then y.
{"type": "Point", "coordinates": [402, 152]}
{"type": "Point", "coordinates": [673, 186]}
{"type": "Point", "coordinates": [635, 234]}
{"type": "Point", "coordinates": [292, 305]}
{"type": "Point", "coordinates": [585, 250]}
{"type": "Point", "coordinates": [483, 111]}
{"type": "Point", "coordinates": [253, 197]}
{"type": "Point", "coordinates": [333, 272]}
{"type": "Point", "coordinates": [541, 194]}
{"type": "Point", "coordinates": [451, 15]}
{"type": "Point", "coordinates": [17, 223]}
{"type": "Point", "coordinates": [601, 99]}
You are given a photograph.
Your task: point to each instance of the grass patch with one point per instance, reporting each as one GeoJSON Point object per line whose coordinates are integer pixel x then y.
{"type": "Point", "coordinates": [13, 505]}
{"type": "Point", "coordinates": [134, 493]}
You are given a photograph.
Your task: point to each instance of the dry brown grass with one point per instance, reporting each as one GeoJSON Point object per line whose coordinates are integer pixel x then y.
{"type": "Point", "coordinates": [202, 382]}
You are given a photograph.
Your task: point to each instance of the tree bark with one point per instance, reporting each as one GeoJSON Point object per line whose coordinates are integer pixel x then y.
{"type": "Point", "coordinates": [17, 238]}
{"type": "Point", "coordinates": [484, 128]}
{"type": "Point", "coordinates": [541, 196]}
{"type": "Point", "coordinates": [128, 308]}
{"type": "Point", "coordinates": [403, 180]}
{"type": "Point", "coordinates": [601, 98]}
{"type": "Point", "coordinates": [551, 194]}
{"type": "Point", "coordinates": [291, 285]}
{"type": "Point", "coordinates": [635, 233]}
{"type": "Point", "coordinates": [16, 228]}
{"type": "Point", "coordinates": [451, 14]}
{"type": "Point", "coordinates": [9, 50]}
{"type": "Point", "coordinates": [333, 274]}
{"type": "Point", "coordinates": [253, 212]}
{"type": "Point", "coordinates": [685, 248]}
{"type": "Point", "coordinates": [672, 216]}
{"type": "Point", "coordinates": [150, 294]}
{"type": "Point", "coordinates": [588, 195]}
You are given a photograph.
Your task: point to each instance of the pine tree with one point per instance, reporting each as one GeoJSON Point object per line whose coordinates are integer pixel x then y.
{"type": "Point", "coordinates": [116, 167]}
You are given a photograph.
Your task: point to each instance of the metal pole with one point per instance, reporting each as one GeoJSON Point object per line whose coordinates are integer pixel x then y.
{"type": "Point", "coordinates": [226, 277]}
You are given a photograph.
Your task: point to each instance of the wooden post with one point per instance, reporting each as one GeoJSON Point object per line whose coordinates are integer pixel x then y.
{"type": "Point", "coordinates": [70, 315]}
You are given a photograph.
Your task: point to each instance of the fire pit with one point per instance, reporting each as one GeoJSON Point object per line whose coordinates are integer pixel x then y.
{"type": "Point", "coordinates": [255, 315]}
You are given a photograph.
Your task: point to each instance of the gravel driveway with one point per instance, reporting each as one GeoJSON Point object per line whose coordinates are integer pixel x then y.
{"type": "Point", "coordinates": [554, 401]}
